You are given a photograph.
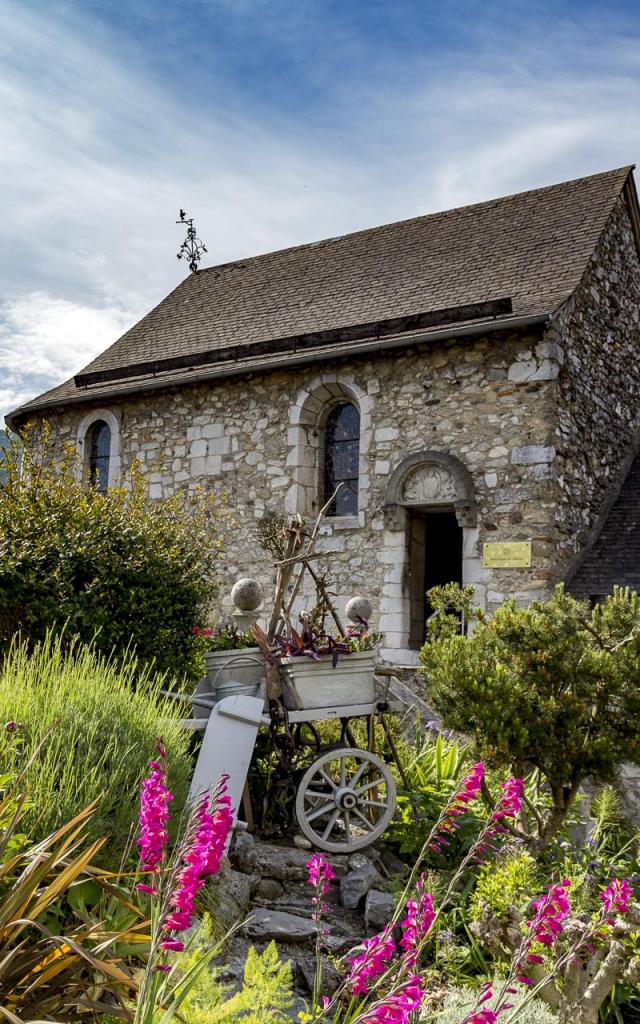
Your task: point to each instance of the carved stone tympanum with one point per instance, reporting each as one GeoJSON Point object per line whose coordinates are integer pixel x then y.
{"type": "Point", "coordinates": [428, 484]}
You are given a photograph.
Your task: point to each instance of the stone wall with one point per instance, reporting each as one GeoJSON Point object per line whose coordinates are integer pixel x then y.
{"type": "Point", "coordinates": [597, 337]}
{"type": "Point", "coordinates": [488, 402]}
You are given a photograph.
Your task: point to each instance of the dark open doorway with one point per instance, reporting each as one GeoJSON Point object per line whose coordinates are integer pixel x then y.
{"type": "Point", "coordinates": [435, 557]}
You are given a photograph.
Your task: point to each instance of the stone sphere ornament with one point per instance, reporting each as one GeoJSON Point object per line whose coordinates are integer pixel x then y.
{"type": "Point", "coordinates": [247, 595]}
{"type": "Point", "coordinates": [359, 608]}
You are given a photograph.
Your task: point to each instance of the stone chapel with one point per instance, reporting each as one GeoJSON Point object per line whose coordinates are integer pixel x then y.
{"type": "Point", "coordinates": [471, 376]}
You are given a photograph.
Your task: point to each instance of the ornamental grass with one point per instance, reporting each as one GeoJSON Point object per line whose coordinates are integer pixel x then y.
{"type": "Point", "coordinates": [102, 731]}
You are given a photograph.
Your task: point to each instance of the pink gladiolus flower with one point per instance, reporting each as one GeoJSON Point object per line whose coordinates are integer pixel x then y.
{"type": "Point", "coordinates": [510, 802]}
{"type": "Point", "coordinates": [174, 945]}
{"type": "Point", "coordinates": [615, 898]}
{"type": "Point", "coordinates": [154, 815]}
{"type": "Point", "coordinates": [141, 887]}
{"type": "Point", "coordinates": [468, 791]}
{"type": "Point", "coordinates": [370, 964]}
{"type": "Point", "coordinates": [416, 925]}
{"type": "Point", "coordinates": [551, 910]}
{"type": "Point", "coordinates": [320, 873]}
{"type": "Point", "coordinates": [482, 1017]}
{"type": "Point", "coordinates": [201, 858]}
{"type": "Point", "coordinates": [397, 1007]}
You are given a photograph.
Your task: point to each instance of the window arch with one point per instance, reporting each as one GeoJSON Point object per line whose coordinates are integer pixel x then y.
{"type": "Point", "coordinates": [98, 443]}
{"type": "Point", "coordinates": [341, 458]}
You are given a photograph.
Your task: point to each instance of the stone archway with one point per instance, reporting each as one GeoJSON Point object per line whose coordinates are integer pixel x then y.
{"type": "Point", "coordinates": [430, 478]}
{"type": "Point", "coordinates": [424, 483]}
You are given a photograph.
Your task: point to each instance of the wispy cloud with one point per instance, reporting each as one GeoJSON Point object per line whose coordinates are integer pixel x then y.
{"type": "Point", "coordinates": [100, 147]}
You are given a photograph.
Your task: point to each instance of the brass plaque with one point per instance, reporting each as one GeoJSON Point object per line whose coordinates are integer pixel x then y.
{"type": "Point", "coordinates": [513, 555]}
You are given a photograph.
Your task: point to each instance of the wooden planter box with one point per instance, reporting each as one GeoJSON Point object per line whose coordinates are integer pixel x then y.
{"type": "Point", "coordinates": [318, 685]}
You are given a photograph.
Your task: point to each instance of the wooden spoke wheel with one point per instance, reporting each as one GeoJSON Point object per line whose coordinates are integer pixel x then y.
{"type": "Point", "coordinates": [345, 800]}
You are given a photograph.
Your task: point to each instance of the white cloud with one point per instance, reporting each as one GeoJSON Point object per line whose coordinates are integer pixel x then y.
{"type": "Point", "coordinates": [44, 340]}
{"type": "Point", "coordinates": [97, 157]}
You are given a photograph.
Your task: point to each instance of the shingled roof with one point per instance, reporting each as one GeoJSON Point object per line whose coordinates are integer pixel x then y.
{"type": "Point", "coordinates": [507, 261]}
{"type": "Point", "coordinates": [614, 557]}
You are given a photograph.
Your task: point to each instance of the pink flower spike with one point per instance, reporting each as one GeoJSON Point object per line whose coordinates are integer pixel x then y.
{"type": "Point", "coordinates": [417, 924]}
{"type": "Point", "coordinates": [369, 965]}
{"type": "Point", "coordinates": [510, 802]}
{"type": "Point", "coordinates": [172, 944]}
{"type": "Point", "coordinates": [154, 815]}
{"type": "Point", "coordinates": [201, 858]}
{"type": "Point", "coordinates": [319, 873]}
{"type": "Point", "coordinates": [615, 898]}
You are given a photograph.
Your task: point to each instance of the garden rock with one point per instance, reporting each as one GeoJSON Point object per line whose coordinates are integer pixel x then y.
{"type": "Point", "coordinates": [231, 894]}
{"type": "Point", "coordinates": [330, 977]}
{"type": "Point", "coordinates": [356, 884]}
{"type": "Point", "coordinates": [379, 908]}
{"type": "Point", "coordinates": [269, 889]}
{"type": "Point", "coordinates": [244, 853]}
{"type": "Point", "coordinates": [266, 924]}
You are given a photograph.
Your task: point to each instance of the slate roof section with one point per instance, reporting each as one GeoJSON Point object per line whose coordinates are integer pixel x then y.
{"type": "Point", "coordinates": [614, 557]}
{"type": "Point", "coordinates": [532, 247]}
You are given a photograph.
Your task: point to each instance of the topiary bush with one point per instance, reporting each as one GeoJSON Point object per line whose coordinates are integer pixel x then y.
{"type": "Point", "coordinates": [98, 732]}
{"type": "Point", "coordinates": [118, 570]}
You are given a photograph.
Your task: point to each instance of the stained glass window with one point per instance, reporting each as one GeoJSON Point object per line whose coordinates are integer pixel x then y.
{"type": "Point", "coordinates": [341, 456]}
{"type": "Point", "coordinates": [99, 442]}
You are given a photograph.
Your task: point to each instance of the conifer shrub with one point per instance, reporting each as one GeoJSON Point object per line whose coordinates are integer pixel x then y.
{"type": "Point", "coordinates": [552, 688]}
{"type": "Point", "coordinates": [117, 570]}
{"type": "Point", "coordinates": [98, 732]}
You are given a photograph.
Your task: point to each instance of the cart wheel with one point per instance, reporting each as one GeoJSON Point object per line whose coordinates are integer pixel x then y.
{"type": "Point", "coordinates": [345, 800]}
{"type": "Point", "coordinates": [305, 734]}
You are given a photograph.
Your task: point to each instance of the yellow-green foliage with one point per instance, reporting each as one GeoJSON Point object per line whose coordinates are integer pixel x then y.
{"type": "Point", "coordinates": [503, 883]}
{"type": "Point", "coordinates": [264, 998]}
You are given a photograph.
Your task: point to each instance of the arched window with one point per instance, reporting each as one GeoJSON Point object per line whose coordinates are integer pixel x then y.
{"type": "Point", "coordinates": [99, 453]}
{"type": "Point", "coordinates": [341, 456]}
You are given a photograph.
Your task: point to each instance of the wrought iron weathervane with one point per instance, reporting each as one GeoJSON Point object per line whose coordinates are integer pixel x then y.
{"type": "Point", "coordinates": [192, 248]}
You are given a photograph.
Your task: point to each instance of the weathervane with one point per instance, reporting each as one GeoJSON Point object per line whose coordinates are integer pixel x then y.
{"type": "Point", "coordinates": [192, 247]}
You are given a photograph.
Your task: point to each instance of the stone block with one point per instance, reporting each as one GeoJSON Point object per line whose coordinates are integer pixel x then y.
{"type": "Point", "coordinates": [386, 434]}
{"type": "Point", "coordinates": [193, 433]}
{"type": "Point", "coordinates": [532, 454]}
{"type": "Point", "coordinates": [379, 908]}
{"type": "Point", "coordinates": [266, 924]}
{"type": "Point", "coordinates": [521, 372]}
{"type": "Point", "coordinates": [218, 446]}
{"type": "Point", "coordinates": [355, 885]}
{"type": "Point", "coordinates": [382, 468]}
{"type": "Point", "coordinates": [212, 430]}
{"type": "Point", "coordinates": [198, 448]}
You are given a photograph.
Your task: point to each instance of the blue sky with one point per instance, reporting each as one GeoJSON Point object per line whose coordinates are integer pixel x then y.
{"type": "Point", "coordinates": [273, 122]}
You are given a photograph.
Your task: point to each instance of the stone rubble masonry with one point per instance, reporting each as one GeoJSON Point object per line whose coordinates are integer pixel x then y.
{"type": "Point", "coordinates": [541, 419]}
{"type": "Point", "coordinates": [598, 402]}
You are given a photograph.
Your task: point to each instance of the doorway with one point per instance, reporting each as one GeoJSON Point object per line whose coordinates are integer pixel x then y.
{"type": "Point", "coordinates": [435, 558]}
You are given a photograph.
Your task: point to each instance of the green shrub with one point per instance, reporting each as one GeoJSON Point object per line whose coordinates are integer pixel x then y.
{"type": "Point", "coordinates": [553, 687]}
{"type": "Point", "coordinates": [116, 569]}
{"type": "Point", "coordinates": [100, 735]}
{"type": "Point", "coordinates": [505, 882]}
